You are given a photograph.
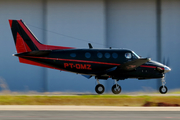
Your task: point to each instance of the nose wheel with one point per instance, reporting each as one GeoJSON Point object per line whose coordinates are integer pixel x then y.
{"type": "Point", "coordinates": [163, 89]}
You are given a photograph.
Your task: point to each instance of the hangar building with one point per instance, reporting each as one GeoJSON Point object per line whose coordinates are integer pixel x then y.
{"type": "Point", "coordinates": [151, 28]}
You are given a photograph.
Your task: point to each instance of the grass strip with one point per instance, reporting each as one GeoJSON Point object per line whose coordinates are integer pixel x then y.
{"type": "Point", "coordinates": [93, 100]}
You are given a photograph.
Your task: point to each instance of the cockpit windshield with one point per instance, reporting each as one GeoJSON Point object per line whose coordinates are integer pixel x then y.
{"type": "Point", "coordinates": [135, 55]}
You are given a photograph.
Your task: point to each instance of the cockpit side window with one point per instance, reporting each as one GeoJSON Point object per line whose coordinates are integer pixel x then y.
{"type": "Point", "coordinates": [128, 55]}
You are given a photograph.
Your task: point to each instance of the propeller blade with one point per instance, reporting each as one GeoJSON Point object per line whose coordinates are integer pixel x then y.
{"type": "Point", "coordinates": [167, 62]}
{"type": "Point", "coordinates": [164, 61]}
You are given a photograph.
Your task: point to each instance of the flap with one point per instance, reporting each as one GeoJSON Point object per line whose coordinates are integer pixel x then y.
{"type": "Point", "coordinates": [105, 71]}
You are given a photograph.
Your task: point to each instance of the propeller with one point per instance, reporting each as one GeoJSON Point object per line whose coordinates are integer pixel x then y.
{"type": "Point", "coordinates": [166, 68]}
{"type": "Point", "coordinates": [166, 61]}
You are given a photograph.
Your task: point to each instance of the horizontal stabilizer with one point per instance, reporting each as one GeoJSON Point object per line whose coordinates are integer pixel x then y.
{"type": "Point", "coordinates": [40, 53]}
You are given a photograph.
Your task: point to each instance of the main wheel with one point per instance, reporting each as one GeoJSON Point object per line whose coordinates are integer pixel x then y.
{"type": "Point", "coordinates": [99, 89]}
{"type": "Point", "coordinates": [116, 90]}
{"type": "Point", "coordinates": [163, 90]}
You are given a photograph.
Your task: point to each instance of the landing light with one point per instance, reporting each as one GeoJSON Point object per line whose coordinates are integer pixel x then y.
{"type": "Point", "coordinates": [159, 69]}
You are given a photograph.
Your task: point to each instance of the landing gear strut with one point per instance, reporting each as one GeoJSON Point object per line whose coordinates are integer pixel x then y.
{"type": "Point", "coordinates": [99, 88]}
{"type": "Point", "coordinates": [116, 89]}
{"type": "Point", "coordinates": [163, 89]}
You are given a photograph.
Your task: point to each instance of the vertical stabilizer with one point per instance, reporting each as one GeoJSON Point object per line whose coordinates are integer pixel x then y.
{"type": "Point", "coordinates": [25, 40]}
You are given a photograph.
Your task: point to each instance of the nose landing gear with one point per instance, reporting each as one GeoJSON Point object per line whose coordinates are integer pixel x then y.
{"type": "Point", "coordinates": [163, 89]}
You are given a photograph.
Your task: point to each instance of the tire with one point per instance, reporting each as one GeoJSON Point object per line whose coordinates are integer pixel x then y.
{"type": "Point", "coordinates": [99, 89]}
{"type": "Point", "coordinates": [163, 90]}
{"type": "Point", "coordinates": [115, 90]}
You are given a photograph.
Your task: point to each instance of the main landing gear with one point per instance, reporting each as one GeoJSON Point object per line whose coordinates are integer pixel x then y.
{"type": "Point", "coordinates": [99, 88]}
{"type": "Point", "coordinates": [163, 89]}
{"type": "Point", "coordinates": [116, 89]}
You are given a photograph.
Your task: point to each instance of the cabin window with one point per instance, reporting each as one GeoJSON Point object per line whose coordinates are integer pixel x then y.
{"type": "Point", "coordinates": [128, 55]}
{"type": "Point", "coordinates": [115, 55]}
{"type": "Point", "coordinates": [73, 54]}
{"type": "Point", "coordinates": [87, 55]}
{"type": "Point", "coordinates": [99, 55]}
{"type": "Point", "coordinates": [107, 55]}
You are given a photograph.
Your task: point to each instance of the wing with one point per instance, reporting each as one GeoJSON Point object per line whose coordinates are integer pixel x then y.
{"type": "Point", "coordinates": [101, 74]}
{"type": "Point", "coordinates": [131, 65]}
{"type": "Point", "coordinates": [128, 66]}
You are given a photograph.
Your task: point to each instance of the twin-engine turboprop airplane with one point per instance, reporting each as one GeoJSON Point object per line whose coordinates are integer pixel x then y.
{"type": "Point", "coordinates": [118, 64]}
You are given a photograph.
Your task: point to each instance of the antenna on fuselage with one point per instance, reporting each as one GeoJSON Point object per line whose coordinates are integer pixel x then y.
{"type": "Point", "coordinates": [90, 46]}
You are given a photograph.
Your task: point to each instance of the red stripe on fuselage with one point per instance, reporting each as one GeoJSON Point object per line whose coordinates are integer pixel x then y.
{"type": "Point", "coordinates": [95, 62]}
{"type": "Point", "coordinates": [150, 66]}
{"type": "Point", "coordinates": [72, 60]}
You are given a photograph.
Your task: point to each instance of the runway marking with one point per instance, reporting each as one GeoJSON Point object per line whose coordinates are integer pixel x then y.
{"type": "Point", "coordinates": [81, 108]}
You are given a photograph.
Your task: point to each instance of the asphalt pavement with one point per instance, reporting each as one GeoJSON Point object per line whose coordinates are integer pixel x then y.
{"type": "Point", "coordinates": [43, 112]}
{"type": "Point", "coordinates": [89, 115]}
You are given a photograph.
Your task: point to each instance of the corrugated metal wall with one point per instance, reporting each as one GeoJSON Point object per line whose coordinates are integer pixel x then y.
{"type": "Point", "coordinates": [132, 24]}
{"type": "Point", "coordinates": [105, 23]}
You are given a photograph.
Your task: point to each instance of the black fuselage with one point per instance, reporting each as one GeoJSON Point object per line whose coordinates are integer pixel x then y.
{"type": "Point", "coordinates": [117, 64]}
{"type": "Point", "coordinates": [95, 62]}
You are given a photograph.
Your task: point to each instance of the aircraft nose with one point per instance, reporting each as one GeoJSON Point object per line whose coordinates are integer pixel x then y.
{"type": "Point", "coordinates": [167, 69]}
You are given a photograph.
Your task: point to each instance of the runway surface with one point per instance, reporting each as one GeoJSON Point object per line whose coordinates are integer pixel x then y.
{"type": "Point", "coordinates": [89, 115]}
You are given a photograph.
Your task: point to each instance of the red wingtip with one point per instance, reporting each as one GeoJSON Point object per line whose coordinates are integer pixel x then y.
{"type": "Point", "coordinates": [10, 23]}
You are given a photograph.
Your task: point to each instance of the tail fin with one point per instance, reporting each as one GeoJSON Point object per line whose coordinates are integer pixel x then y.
{"type": "Point", "coordinates": [25, 40]}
